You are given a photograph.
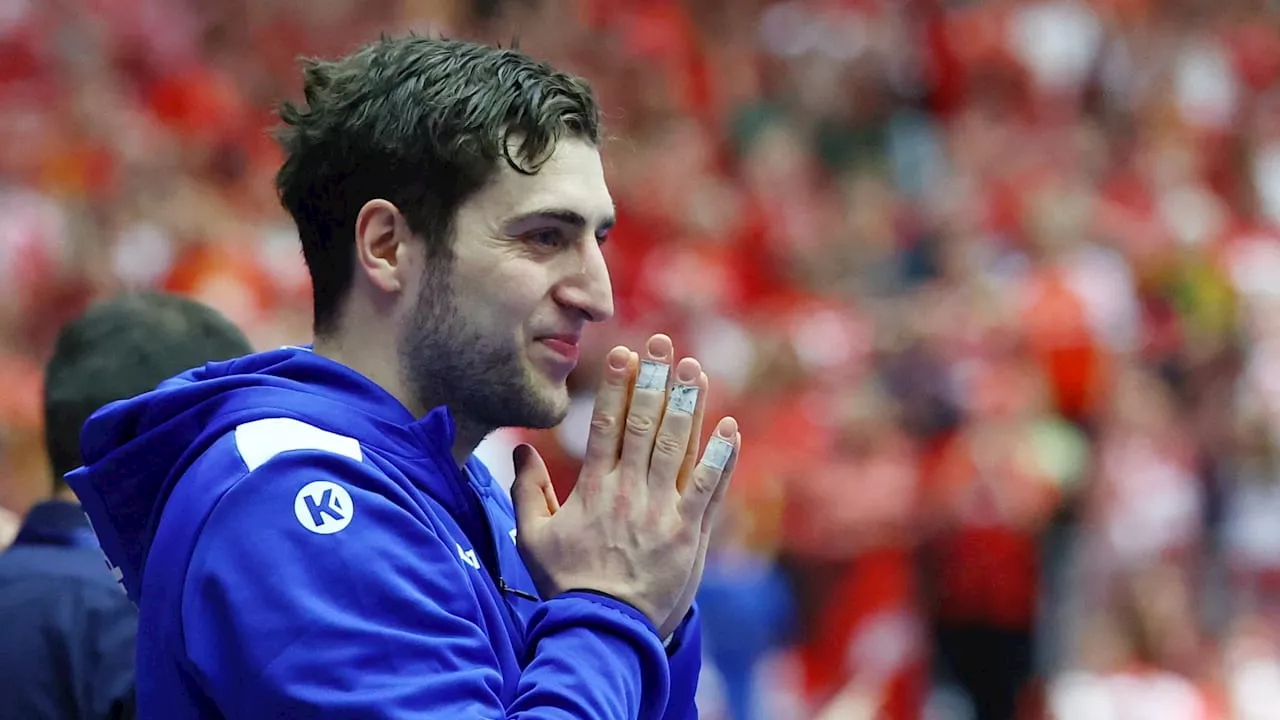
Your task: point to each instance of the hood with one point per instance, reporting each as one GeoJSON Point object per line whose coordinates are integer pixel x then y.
{"type": "Point", "coordinates": [136, 450]}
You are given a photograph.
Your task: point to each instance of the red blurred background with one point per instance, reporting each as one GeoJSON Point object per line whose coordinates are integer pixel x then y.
{"type": "Point", "coordinates": [993, 287]}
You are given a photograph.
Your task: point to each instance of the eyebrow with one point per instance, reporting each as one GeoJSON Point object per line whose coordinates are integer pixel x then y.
{"type": "Point", "coordinates": [566, 217]}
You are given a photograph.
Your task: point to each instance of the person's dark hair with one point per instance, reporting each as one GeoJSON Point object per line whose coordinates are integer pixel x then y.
{"type": "Point", "coordinates": [122, 347]}
{"type": "Point", "coordinates": [422, 123]}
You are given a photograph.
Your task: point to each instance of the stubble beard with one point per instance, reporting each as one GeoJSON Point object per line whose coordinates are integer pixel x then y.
{"type": "Point", "coordinates": [483, 380]}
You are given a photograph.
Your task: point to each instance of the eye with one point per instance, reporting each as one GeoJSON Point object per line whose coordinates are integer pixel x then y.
{"type": "Point", "coordinates": [548, 237]}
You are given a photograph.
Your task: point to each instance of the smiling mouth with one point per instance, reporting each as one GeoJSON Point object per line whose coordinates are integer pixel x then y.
{"type": "Point", "coordinates": [564, 347]}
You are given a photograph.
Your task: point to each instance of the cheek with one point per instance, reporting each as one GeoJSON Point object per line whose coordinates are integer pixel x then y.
{"type": "Point", "coordinates": [522, 287]}
{"type": "Point", "coordinates": [503, 301]}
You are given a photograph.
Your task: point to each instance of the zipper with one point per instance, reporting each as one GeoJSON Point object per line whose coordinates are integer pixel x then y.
{"type": "Point", "coordinates": [486, 544]}
{"type": "Point", "coordinates": [505, 591]}
{"type": "Point", "coordinates": [504, 587]}
{"type": "Point", "coordinates": [491, 559]}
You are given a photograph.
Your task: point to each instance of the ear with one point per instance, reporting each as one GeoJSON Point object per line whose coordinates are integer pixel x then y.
{"type": "Point", "coordinates": [380, 232]}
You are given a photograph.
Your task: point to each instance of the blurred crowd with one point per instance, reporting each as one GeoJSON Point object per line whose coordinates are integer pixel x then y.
{"type": "Point", "coordinates": [993, 287]}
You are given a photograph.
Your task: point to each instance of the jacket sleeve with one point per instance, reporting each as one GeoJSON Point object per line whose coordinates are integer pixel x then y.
{"type": "Point", "coordinates": [685, 662]}
{"type": "Point", "coordinates": [290, 614]}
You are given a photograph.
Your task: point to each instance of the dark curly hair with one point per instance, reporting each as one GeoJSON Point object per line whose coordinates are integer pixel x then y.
{"type": "Point", "coordinates": [420, 122]}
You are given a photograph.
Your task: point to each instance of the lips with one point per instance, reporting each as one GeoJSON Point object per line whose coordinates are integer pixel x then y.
{"type": "Point", "coordinates": [565, 346]}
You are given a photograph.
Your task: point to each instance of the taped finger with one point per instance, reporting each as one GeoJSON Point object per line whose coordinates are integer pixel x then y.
{"type": "Point", "coordinates": [653, 375]}
{"type": "Point", "coordinates": [708, 475]}
{"type": "Point", "coordinates": [683, 399]}
{"type": "Point", "coordinates": [717, 453]}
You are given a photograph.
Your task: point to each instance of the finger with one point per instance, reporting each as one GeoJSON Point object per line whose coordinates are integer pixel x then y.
{"type": "Point", "coordinates": [695, 434]}
{"type": "Point", "coordinates": [604, 441]}
{"type": "Point", "coordinates": [712, 514]}
{"type": "Point", "coordinates": [647, 398]}
{"type": "Point", "coordinates": [634, 365]}
{"type": "Point", "coordinates": [707, 476]}
{"type": "Point", "coordinates": [528, 492]}
{"type": "Point", "coordinates": [672, 443]}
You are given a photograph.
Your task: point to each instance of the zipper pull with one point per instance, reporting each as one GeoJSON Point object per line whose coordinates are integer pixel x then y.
{"type": "Point", "coordinates": [504, 587]}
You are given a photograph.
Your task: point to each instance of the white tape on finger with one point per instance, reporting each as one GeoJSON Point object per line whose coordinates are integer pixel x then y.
{"type": "Point", "coordinates": [653, 375]}
{"type": "Point", "coordinates": [717, 453]}
{"type": "Point", "coordinates": [683, 399]}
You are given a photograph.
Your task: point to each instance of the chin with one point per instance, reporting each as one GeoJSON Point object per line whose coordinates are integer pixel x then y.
{"type": "Point", "coordinates": [545, 402]}
{"type": "Point", "coordinates": [531, 406]}
{"type": "Point", "coordinates": [553, 406]}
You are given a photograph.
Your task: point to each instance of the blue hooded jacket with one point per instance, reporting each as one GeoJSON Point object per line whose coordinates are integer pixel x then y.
{"type": "Point", "coordinates": [301, 546]}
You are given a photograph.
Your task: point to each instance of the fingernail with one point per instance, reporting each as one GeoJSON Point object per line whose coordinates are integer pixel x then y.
{"type": "Point", "coordinates": [687, 371]}
{"type": "Point", "coordinates": [618, 358]}
{"type": "Point", "coordinates": [717, 453]}
{"type": "Point", "coordinates": [683, 399]}
{"type": "Point", "coordinates": [659, 346]}
{"type": "Point", "coordinates": [727, 428]}
{"type": "Point", "coordinates": [653, 375]}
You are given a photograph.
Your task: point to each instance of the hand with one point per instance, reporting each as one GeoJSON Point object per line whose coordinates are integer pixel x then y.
{"type": "Point", "coordinates": [636, 524]}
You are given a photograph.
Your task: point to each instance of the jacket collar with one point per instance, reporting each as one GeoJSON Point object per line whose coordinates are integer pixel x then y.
{"type": "Point", "coordinates": [384, 422]}
{"type": "Point", "coordinates": [56, 522]}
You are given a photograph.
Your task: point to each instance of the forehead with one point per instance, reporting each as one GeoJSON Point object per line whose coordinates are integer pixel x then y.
{"type": "Point", "coordinates": [571, 179]}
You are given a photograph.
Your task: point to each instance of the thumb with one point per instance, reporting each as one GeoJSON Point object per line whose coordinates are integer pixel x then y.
{"type": "Point", "coordinates": [532, 486]}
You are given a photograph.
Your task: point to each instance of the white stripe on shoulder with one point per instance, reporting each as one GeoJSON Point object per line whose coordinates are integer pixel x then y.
{"type": "Point", "coordinates": [260, 440]}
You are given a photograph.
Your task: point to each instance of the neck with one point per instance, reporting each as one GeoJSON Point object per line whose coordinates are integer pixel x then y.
{"type": "Point", "coordinates": [467, 435]}
{"type": "Point", "coordinates": [67, 494]}
{"type": "Point", "coordinates": [467, 432]}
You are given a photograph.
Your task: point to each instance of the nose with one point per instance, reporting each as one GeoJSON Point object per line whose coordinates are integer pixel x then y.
{"type": "Point", "coordinates": [589, 290]}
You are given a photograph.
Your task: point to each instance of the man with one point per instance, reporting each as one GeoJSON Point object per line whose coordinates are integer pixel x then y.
{"type": "Point", "coordinates": [305, 530]}
{"type": "Point", "coordinates": [68, 630]}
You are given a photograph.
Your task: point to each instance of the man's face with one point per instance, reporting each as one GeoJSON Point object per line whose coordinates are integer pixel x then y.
{"type": "Point", "coordinates": [495, 333]}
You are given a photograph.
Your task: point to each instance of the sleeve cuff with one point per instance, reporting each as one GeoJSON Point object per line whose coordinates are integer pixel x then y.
{"type": "Point", "coordinates": [673, 642]}
{"type": "Point", "coordinates": [670, 643]}
{"type": "Point", "coordinates": [608, 600]}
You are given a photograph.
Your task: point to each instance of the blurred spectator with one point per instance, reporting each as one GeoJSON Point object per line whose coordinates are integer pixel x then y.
{"type": "Point", "coordinates": [851, 558]}
{"type": "Point", "coordinates": [992, 494]}
{"type": "Point", "coordinates": [1134, 655]}
{"type": "Point", "coordinates": [69, 629]}
{"type": "Point", "coordinates": [747, 614]}
{"type": "Point", "coordinates": [1251, 537]}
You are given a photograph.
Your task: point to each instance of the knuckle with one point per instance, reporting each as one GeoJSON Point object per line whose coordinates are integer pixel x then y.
{"type": "Point", "coordinates": [639, 424]}
{"type": "Point", "coordinates": [604, 422]}
{"type": "Point", "coordinates": [704, 482]}
{"type": "Point", "coordinates": [669, 445]}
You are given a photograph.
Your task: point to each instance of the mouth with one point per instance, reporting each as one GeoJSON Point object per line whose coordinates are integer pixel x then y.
{"type": "Point", "coordinates": [565, 346]}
